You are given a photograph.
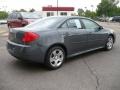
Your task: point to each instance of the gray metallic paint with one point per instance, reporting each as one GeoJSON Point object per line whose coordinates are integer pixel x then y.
{"type": "Point", "coordinates": [76, 41]}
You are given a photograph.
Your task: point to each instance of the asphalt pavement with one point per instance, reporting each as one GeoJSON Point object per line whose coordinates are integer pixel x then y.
{"type": "Point", "coordinates": [97, 70]}
{"type": "Point", "coordinates": [3, 30]}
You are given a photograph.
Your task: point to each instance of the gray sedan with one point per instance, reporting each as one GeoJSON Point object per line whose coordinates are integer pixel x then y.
{"type": "Point", "coordinates": [51, 40]}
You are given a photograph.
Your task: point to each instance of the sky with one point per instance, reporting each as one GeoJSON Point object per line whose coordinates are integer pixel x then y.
{"type": "Point", "coordinates": [10, 5]}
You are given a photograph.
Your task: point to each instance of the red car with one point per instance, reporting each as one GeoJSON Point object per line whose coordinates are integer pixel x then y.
{"type": "Point", "coordinates": [21, 19]}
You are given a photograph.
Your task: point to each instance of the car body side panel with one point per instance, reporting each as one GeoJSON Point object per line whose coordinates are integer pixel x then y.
{"type": "Point", "coordinates": [75, 40]}
{"type": "Point", "coordinates": [26, 52]}
{"type": "Point", "coordinates": [48, 38]}
{"type": "Point", "coordinates": [97, 38]}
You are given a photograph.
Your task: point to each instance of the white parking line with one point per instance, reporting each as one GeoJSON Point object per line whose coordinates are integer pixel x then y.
{"type": "Point", "coordinates": [4, 34]}
{"type": "Point", "coordinates": [1, 31]}
{"type": "Point", "coordinates": [2, 47]}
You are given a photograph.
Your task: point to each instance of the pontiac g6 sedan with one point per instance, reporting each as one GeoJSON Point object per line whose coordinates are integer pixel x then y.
{"type": "Point", "coordinates": [51, 40]}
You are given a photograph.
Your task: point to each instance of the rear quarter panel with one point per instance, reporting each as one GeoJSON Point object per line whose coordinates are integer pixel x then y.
{"type": "Point", "coordinates": [49, 38]}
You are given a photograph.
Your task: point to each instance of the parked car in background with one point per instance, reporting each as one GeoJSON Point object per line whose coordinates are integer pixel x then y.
{"type": "Point", "coordinates": [116, 19]}
{"type": "Point", "coordinates": [51, 40]}
{"type": "Point", "coordinates": [3, 21]}
{"type": "Point", "coordinates": [21, 19]}
{"type": "Point", "coordinates": [102, 19]}
{"type": "Point", "coordinates": [110, 19]}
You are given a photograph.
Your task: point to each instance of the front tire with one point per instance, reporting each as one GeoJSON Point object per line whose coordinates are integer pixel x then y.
{"type": "Point", "coordinates": [9, 27]}
{"type": "Point", "coordinates": [55, 57]}
{"type": "Point", "coordinates": [109, 44]}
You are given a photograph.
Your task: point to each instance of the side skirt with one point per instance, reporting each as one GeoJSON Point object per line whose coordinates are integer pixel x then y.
{"type": "Point", "coordinates": [84, 52]}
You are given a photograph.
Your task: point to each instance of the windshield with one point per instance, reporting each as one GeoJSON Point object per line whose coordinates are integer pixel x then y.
{"type": "Point", "coordinates": [29, 15]}
{"type": "Point", "coordinates": [44, 23]}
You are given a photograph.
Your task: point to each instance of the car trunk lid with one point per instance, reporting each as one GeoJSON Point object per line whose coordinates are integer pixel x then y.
{"type": "Point", "coordinates": [23, 36]}
{"type": "Point", "coordinates": [16, 36]}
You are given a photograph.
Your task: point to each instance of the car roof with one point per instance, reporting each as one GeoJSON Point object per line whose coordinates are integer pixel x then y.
{"type": "Point", "coordinates": [68, 17]}
{"type": "Point", "coordinates": [21, 12]}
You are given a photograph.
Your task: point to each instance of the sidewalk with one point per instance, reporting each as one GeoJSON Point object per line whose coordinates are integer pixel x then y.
{"type": "Point", "coordinates": [3, 31]}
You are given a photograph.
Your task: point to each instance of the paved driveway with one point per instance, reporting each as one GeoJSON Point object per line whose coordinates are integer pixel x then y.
{"type": "Point", "coordinates": [97, 70]}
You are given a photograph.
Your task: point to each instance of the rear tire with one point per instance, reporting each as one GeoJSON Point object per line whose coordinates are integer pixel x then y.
{"type": "Point", "coordinates": [55, 57]}
{"type": "Point", "coordinates": [9, 27]}
{"type": "Point", "coordinates": [109, 44]}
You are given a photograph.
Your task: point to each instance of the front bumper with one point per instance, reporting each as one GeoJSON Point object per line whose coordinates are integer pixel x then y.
{"type": "Point", "coordinates": [26, 52]}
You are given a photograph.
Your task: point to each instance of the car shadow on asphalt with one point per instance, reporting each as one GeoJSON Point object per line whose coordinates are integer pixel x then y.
{"type": "Point", "coordinates": [84, 55]}
{"type": "Point", "coordinates": [36, 67]}
{"type": "Point", "coordinates": [28, 66]}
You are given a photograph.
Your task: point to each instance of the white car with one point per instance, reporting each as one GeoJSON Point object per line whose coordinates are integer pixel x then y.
{"type": "Point", "coordinates": [110, 19]}
{"type": "Point", "coordinates": [3, 21]}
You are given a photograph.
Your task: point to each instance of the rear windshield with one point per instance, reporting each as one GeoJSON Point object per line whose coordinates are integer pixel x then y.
{"type": "Point", "coordinates": [44, 23]}
{"type": "Point", "coordinates": [29, 15]}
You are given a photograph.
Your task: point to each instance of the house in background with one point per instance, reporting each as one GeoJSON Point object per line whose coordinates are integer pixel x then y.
{"type": "Point", "coordinates": [53, 11]}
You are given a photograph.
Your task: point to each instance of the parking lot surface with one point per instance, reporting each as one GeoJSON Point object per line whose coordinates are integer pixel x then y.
{"type": "Point", "coordinates": [97, 70]}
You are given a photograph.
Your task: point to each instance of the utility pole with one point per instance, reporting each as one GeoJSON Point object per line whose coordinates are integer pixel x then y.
{"type": "Point", "coordinates": [92, 7]}
{"type": "Point", "coordinates": [85, 8]}
{"type": "Point", "coordinates": [57, 7]}
{"type": "Point", "coordinates": [92, 11]}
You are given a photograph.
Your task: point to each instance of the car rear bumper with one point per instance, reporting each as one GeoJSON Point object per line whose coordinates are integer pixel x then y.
{"type": "Point", "coordinates": [25, 52]}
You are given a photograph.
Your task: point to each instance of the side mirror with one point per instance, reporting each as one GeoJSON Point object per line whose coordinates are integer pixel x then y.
{"type": "Point", "coordinates": [100, 28]}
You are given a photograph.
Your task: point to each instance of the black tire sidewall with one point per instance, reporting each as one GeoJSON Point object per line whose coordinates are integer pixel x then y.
{"type": "Point", "coordinates": [9, 28]}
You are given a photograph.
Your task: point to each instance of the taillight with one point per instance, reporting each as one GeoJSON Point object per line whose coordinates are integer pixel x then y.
{"type": "Point", "coordinates": [29, 37]}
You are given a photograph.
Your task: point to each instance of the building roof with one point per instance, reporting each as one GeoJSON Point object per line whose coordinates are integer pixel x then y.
{"type": "Point", "coordinates": [57, 8]}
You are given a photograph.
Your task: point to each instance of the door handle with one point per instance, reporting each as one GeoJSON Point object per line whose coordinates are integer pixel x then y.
{"type": "Point", "coordinates": [66, 34]}
{"type": "Point", "coordinates": [90, 32]}
{"type": "Point", "coordinates": [70, 34]}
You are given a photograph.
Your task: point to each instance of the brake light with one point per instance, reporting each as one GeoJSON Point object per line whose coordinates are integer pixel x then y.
{"type": "Point", "coordinates": [29, 37]}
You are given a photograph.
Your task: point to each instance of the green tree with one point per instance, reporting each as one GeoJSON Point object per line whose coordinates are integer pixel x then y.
{"type": "Point", "coordinates": [22, 10]}
{"type": "Point", "coordinates": [107, 8]}
{"type": "Point", "coordinates": [118, 11]}
{"type": "Point", "coordinates": [3, 15]}
{"type": "Point", "coordinates": [80, 12]}
{"type": "Point", "coordinates": [32, 10]}
{"type": "Point", "coordinates": [90, 14]}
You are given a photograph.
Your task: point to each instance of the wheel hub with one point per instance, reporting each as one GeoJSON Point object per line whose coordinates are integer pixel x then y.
{"type": "Point", "coordinates": [56, 58]}
{"type": "Point", "coordinates": [110, 43]}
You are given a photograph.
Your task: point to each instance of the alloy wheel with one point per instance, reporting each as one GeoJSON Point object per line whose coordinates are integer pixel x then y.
{"type": "Point", "coordinates": [109, 43]}
{"type": "Point", "coordinates": [56, 57]}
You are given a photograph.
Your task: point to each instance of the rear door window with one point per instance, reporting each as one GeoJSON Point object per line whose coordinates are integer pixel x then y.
{"type": "Point", "coordinates": [14, 16]}
{"type": "Point", "coordinates": [18, 15]}
{"type": "Point", "coordinates": [10, 16]}
{"type": "Point", "coordinates": [74, 23]}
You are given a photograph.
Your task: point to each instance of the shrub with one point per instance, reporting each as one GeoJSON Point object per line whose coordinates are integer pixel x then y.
{"type": "Point", "coordinates": [3, 15]}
